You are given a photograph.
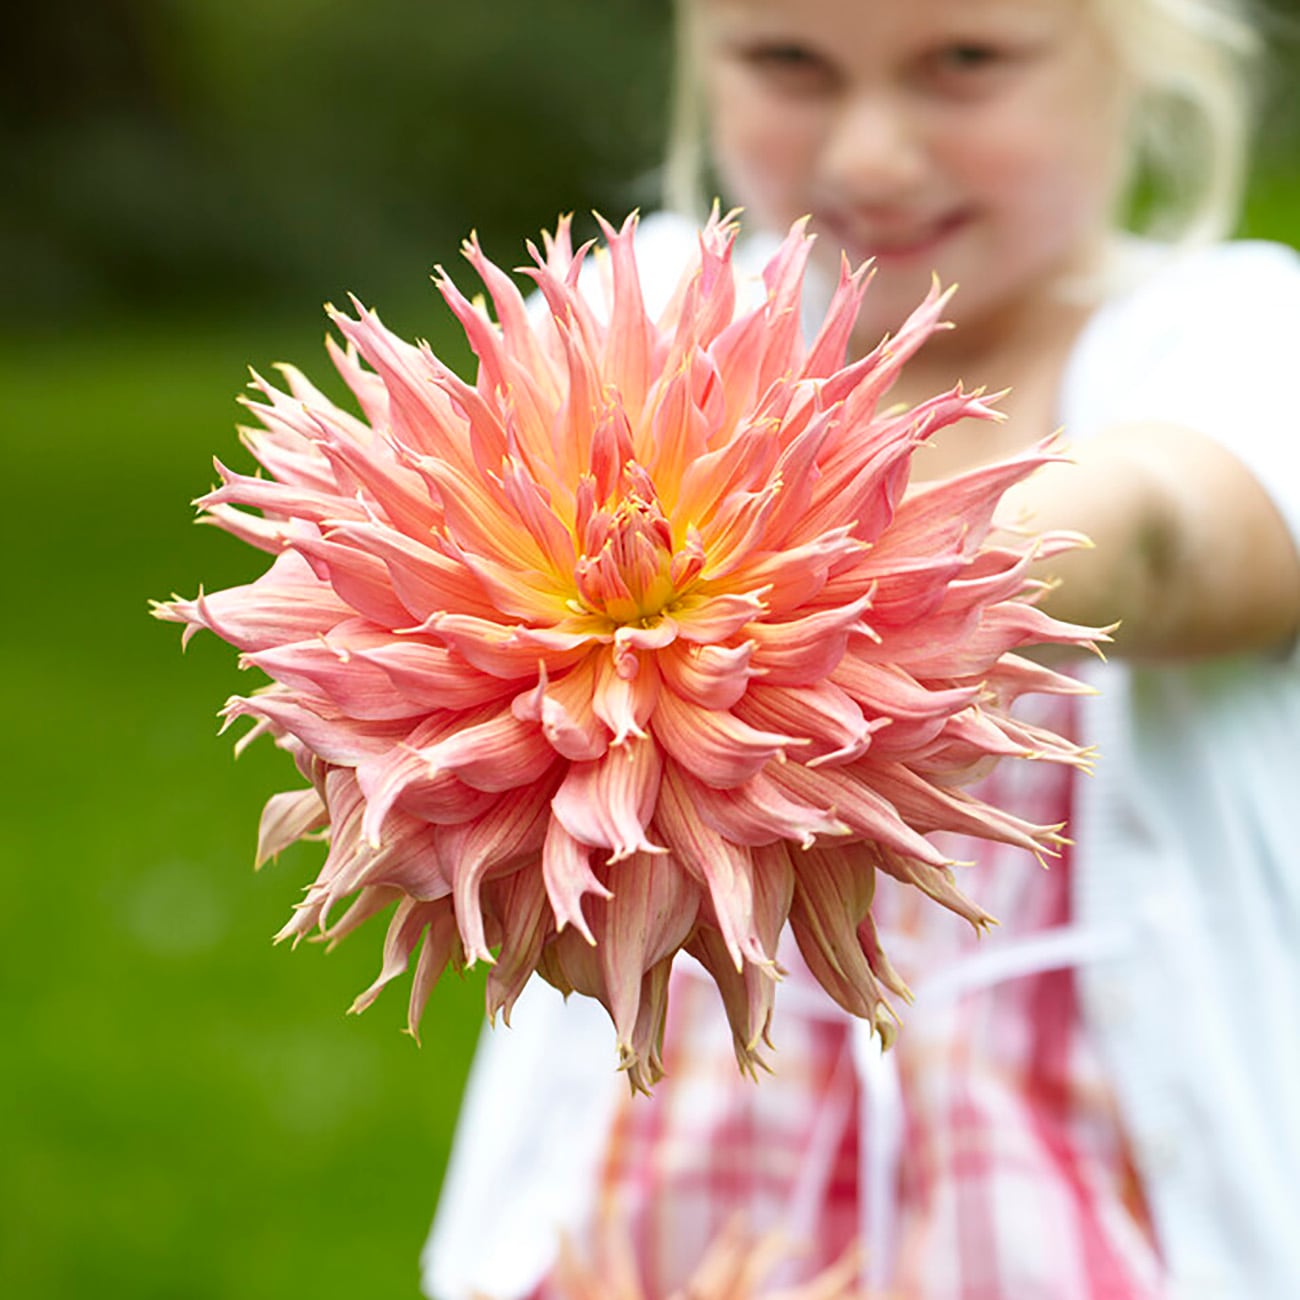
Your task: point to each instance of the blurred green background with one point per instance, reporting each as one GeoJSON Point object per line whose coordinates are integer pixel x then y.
{"type": "Point", "coordinates": [188, 1112]}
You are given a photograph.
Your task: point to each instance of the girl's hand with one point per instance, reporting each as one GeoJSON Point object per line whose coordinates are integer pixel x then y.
{"type": "Point", "coordinates": [1189, 553]}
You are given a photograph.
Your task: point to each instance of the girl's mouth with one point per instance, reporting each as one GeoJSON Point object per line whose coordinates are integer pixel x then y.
{"type": "Point", "coordinates": [891, 239]}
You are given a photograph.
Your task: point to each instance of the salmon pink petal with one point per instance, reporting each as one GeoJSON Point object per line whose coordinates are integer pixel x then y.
{"type": "Point", "coordinates": [369, 901]}
{"type": "Point", "coordinates": [642, 1054]}
{"type": "Point", "coordinates": [708, 676]}
{"type": "Point", "coordinates": [829, 718]}
{"type": "Point", "coordinates": [494, 845]}
{"type": "Point", "coordinates": [714, 744]}
{"type": "Point", "coordinates": [650, 917]}
{"type": "Point", "coordinates": [279, 500]}
{"type": "Point", "coordinates": [322, 668]}
{"type": "Point", "coordinates": [868, 814]}
{"type": "Point", "coordinates": [938, 882]}
{"type": "Point", "coordinates": [404, 777]}
{"type": "Point", "coordinates": [608, 803]}
{"type": "Point", "coordinates": [679, 433]}
{"type": "Point", "coordinates": [792, 577]}
{"type": "Point", "coordinates": [629, 343]}
{"type": "Point", "coordinates": [889, 691]}
{"type": "Point", "coordinates": [725, 868]}
{"type": "Point", "coordinates": [802, 651]}
{"type": "Point", "coordinates": [359, 578]}
{"type": "Point", "coordinates": [519, 904]}
{"type": "Point", "coordinates": [328, 733]}
{"type": "Point", "coordinates": [706, 619]}
{"type": "Point", "coordinates": [832, 900]}
{"type": "Point", "coordinates": [420, 414]}
{"type": "Point", "coordinates": [287, 603]}
{"type": "Point", "coordinates": [502, 651]}
{"type": "Point", "coordinates": [566, 711]}
{"type": "Point", "coordinates": [747, 996]}
{"type": "Point", "coordinates": [440, 948]}
{"type": "Point", "coordinates": [931, 807]}
{"type": "Point", "coordinates": [431, 675]}
{"type": "Point", "coordinates": [826, 355]}
{"type": "Point", "coordinates": [567, 873]}
{"type": "Point", "coordinates": [405, 930]}
{"type": "Point", "coordinates": [287, 818]}
{"type": "Point", "coordinates": [425, 579]}
{"type": "Point", "coordinates": [760, 813]}
{"type": "Point", "coordinates": [502, 753]}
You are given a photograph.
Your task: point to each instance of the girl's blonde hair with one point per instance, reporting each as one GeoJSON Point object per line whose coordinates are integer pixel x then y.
{"type": "Point", "coordinates": [1191, 65]}
{"type": "Point", "coordinates": [1193, 68]}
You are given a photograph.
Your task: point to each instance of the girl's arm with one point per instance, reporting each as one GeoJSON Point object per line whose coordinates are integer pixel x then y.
{"type": "Point", "coordinates": [1189, 552]}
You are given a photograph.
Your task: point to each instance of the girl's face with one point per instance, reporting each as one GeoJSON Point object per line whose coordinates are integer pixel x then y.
{"type": "Point", "coordinates": [980, 139]}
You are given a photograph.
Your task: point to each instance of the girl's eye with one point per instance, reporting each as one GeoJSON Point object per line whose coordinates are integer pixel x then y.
{"type": "Point", "coordinates": [967, 57]}
{"type": "Point", "coordinates": [966, 67]}
{"type": "Point", "coordinates": [788, 66]}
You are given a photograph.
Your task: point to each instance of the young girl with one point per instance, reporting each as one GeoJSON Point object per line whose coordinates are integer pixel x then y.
{"type": "Point", "coordinates": [1100, 1100]}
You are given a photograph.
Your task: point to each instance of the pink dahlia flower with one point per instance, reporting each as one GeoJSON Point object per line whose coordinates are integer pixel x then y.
{"type": "Point", "coordinates": [637, 643]}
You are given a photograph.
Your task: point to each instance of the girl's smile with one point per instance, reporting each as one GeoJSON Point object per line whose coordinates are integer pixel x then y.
{"type": "Point", "coordinates": [890, 237]}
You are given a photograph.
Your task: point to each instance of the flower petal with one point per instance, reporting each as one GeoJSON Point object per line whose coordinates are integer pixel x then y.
{"type": "Point", "coordinates": [713, 743]}
{"type": "Point", "coordinates": [608, 803]}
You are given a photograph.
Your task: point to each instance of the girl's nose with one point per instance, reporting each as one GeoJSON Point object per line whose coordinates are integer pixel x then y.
{"type": "Point", "coordinates": [873, 154]}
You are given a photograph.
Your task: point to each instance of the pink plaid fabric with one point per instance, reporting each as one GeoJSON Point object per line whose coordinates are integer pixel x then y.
{"type": "Point", "coordinates": [1012, 1180]}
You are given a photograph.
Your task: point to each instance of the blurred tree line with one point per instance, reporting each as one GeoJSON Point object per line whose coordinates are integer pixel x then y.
{"type": "Point", "coordinates": [159, 153]}
{"type": "Point", "coordinates": [174, 153]}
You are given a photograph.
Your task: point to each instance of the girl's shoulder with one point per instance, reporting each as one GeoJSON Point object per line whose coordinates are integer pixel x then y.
{"type": "Point", "coordinates": [1205, 338]}
{"type": "Point", "coordinates": [1234, 284]}
{"type": "Point", "coordinates": [1207, 331]}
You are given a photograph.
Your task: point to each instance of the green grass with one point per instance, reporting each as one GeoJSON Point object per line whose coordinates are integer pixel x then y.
{"type": "Point", "coordinates": [188, 1110]}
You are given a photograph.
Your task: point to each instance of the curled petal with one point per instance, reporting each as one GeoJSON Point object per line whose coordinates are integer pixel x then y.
{"type": "Point", "coordinates": [760, 812]}
{"type": "Point", "coordinates": [713, 743]}
{"type": "Point", "coordinates": [441, 948]}
{"type": "Point", "coordinates": [708, 676]}
{"type": "Point", "coordinates": [566, 712]}
{"type": "Point", "coordinates": [518, 903]}
{"type": "Point", "coordinates": [726, 869]}
{"type": "Point", "coordinates": [567, 873]}
{"type": "Point", "coordinates": [405, 930]}
{"type": "Point", "coordinates": [625, 701]}
{"type": "Point", "coordinates": [608, 803]}
{"type": "Point", "coordinates": [747, 994]}
{"type": "Point", "coordinates": [832, 721]}
{"type": "Point", "coordinates": [832, 899]}
{"type": "Point", "coordinates": [287, 818]}
{"type": "Point", "coordinates": [287, 603]}
{"type": "Point", "coordinates": [492, 846]}
{"type": "Point", "coordinates": [802, 651]}
{"type": "Point", "coordinates": [648, 919]}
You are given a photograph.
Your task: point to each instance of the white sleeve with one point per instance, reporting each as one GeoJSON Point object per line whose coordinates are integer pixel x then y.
{"type": "Point", "coordinates": [1210, 341]}
{"type": "Point", "coordinates": [533, 1126]}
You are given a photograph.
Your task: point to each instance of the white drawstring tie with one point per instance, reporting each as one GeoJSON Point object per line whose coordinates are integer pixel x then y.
{"type": "Point", "coordinates": [881, 1119]}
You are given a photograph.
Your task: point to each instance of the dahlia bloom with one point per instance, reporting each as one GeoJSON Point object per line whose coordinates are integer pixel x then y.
{"type": "Point", "coordinates": [637, 643]}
